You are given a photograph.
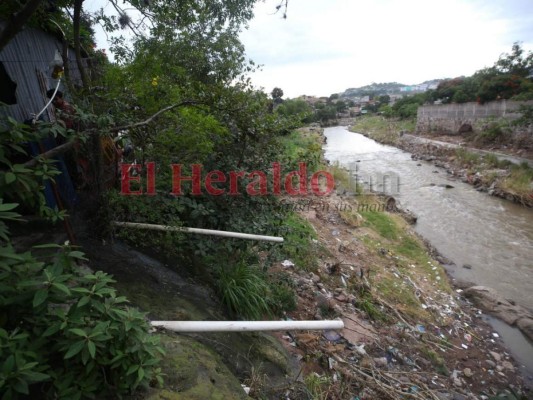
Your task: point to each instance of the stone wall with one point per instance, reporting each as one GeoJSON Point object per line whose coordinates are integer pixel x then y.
{"type": "Point", "coordinates": [453, 119]}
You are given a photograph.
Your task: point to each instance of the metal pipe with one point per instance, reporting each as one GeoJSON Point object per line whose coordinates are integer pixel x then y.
{"type": "Point", "coordinates": [247, 326]}
{"type": "Point", "coordinates": [166, 228]}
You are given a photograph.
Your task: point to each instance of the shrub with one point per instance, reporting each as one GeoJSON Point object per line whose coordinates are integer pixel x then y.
{"type": "Point", "coordinates": [68, 335]}
{"type": "Point", "coordinates": [243, 290]}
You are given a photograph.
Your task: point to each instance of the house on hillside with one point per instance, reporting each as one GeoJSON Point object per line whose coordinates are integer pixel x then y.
{"type": "Point", "coordinates": [26, 67]}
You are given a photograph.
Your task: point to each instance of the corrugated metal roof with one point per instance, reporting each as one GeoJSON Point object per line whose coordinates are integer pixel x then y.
{"type": "Point", "coordinates": [26, 59]}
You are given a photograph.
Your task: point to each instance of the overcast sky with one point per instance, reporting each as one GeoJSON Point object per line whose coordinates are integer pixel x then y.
{"type": "Point", "coordinates": [327, 46]}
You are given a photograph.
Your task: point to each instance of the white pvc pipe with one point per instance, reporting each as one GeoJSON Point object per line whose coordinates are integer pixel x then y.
{"type": "Point", "coordinates": [167, 228]}
{"type": "Point", "coordinates": [247, 326]}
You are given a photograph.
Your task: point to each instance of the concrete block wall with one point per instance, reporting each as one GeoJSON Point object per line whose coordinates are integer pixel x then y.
{"type": "Point", "coordinates": [449, 118]}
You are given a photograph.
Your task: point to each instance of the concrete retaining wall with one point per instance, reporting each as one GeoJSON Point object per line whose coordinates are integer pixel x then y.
{"type": "Point", "coordinates": [452, 119]}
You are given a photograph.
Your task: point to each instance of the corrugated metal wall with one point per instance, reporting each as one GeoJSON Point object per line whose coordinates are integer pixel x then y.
{"type": "Point", "coordinates": [26, 59]}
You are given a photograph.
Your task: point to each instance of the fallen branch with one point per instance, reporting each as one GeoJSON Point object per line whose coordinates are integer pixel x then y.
{"type": "Point", "coordinates": [51, 153]}
{"type": "Point", "coordinates": [66, 146]}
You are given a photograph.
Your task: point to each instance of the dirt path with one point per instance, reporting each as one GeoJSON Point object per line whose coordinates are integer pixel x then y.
{"type": "Point", "coordinates": [501, 156]}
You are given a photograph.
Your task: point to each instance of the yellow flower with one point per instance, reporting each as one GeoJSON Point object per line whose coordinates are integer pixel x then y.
{"type": "Point", "coordinates": [154, 81]}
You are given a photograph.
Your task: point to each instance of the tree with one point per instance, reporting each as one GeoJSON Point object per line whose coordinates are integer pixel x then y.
{"type": "Point", "coordinates": [341, 106]}
{"type": "Point", "coordinates": [516, 63]}
{"type": "Point", "coordinates": [277, 95]}
{"type": "Point", "coordinates": [17, 21]}
{"type": "Point", "coordinates": [384, 99]}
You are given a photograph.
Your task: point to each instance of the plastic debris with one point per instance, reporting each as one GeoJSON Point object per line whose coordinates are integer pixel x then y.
{"type": "Point", "coordinates": [420, 328]}
{"type": "Point", "coordinates": [287, 264]}
{"type": "Point", "coordinates": [495, 335]}
{"type": "Point", "coordinates": [332, 336]}
{"type": "Point", "coordinates": [468, 337]}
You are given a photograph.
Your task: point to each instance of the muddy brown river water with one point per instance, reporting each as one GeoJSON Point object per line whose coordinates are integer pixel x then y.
{"type": "Point", "coordinates": [491, 236]}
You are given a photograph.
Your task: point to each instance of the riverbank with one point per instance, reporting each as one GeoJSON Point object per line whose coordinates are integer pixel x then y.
{"type": "Point", "coordinates": [487, 173]}
{"type": "Point", "coordinates": [408, 332]}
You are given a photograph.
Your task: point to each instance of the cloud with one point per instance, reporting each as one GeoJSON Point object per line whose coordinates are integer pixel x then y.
{"type": "Point", "coordinates": [328, 46]}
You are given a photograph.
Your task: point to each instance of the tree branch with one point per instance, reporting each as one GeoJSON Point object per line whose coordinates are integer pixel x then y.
{"type": "Point", "coordinates": [66, 146]}
{"type": "Point", "coordinates": [50, 153]}
{"type": "Point", "coordinates": [157, 114]}
{"type": "Point", "coordinates": [16, 23]}
{"type": "Point", "coordinates": [76, 20]}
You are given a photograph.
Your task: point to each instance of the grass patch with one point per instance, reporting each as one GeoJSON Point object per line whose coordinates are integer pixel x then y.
{"type": "Point", "coordinates": [382, 129]}
{"type": "Point", "coordinates": [520, 180]}
{"type": "Point", "coordinates": [343, 180]}
{"type": "Point", "coordinates": [299, 246]}
{"type": "Point", "coordinates": [436, 360]}
{"type": "Point", "coordinates": [365, 304]}
{"type": "Point", "coordinates": [412, 248]}
{"type": "Point", "coordinates": [384, 225]}
{"type": "Point", "coordinates": [243, 290]}
{"type": "Point", "coordinates": [396, 292]}
{"type": "Point", "coordinates": [467, 157]}
{"type": "Point", "coordinates": [282, 293]}
{"type": "Point", "coordinates": [297, 147]}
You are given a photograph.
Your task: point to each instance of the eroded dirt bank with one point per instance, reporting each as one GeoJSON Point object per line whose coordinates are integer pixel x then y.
{"type": "Point", "coordinates": [407, 332]}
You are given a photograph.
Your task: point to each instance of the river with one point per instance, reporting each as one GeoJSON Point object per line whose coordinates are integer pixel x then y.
{"type": "Point", "coordinates": [491, 236]}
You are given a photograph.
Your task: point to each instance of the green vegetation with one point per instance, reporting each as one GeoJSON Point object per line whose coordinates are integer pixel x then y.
{"type": "Point", "coordinates": [467, 157]}
{"type": "Point", "coordinates": [516, 181]}
{"type": "Point", "coordinates": [64, 333]}
{"type": "Point", "coordinates": [243, 290]}
{"type": "Point", "coordinates": [299, 246]}
{"type": "Point", "coordinates": [381, 223]}
{"type": "Point", "coordinates": [179, 95]}
{"type": "Point", "coordinates": [436, 360]}
{"type": "Point", "coordinates": [318, 386]}
{"type": "Point", "coordinates": [407, 255]}
{"type": "Point", "coordinates": [382, 129]}
{"type": "Point", "coordinates": [506, 79]}
{"type": "Point", "coordinates": [520, 180]}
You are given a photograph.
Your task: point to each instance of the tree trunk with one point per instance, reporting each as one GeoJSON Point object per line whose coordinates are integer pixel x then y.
{"type": "Point", "coordinates": [15, 23]}
{"type": "Point", "coordinates": [77, 45]}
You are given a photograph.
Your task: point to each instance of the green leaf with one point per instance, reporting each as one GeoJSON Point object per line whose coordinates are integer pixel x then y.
{"type": "Point", "coordinates": [84, 300]}
{"type": "Point", "coordinates": [47, 246]}
{"type": "Point", "coordinates": [33, 376]}
{"type": "Point", "coordinates": [132, 369]}
{"type": "Point", "coordinates": [92, 348]}
{"type": "Point", "coordinates": [51, 330]}
{"type": "Point", "coordinates": [21, 386]}
{"type": "Point", "coordinates": [40, 296]}
{"type": "Point", "coordinates": [8, 365]}
{"type": "Point", "coordinates": [10, 177]}
{"type": "Point", "coordinates": [61, 287]}
{"type": "Point", "coordinates": [140, 374]}
{"type": "Point", "coordinates": [79, 332]}
{"type": "Point", "coordinates": [8, 206]}
{"type": "Point", "coordinates": [77, 254]}
{"type": "Point", "coordinates": [74, 349]}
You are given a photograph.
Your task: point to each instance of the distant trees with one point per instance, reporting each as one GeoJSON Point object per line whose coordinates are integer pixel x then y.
{"type": "Point", "coordinates": [296, 108]}
{"type": "Point", "coordinates": [277, 95]}
{"type": "Point", "coordinates": [508, 78]}
{"type": "Point", "coordinates": [407, 107]}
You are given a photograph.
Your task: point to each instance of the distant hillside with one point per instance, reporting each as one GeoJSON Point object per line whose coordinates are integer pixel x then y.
{"type": "Point", "coordinates": [378, 89]}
